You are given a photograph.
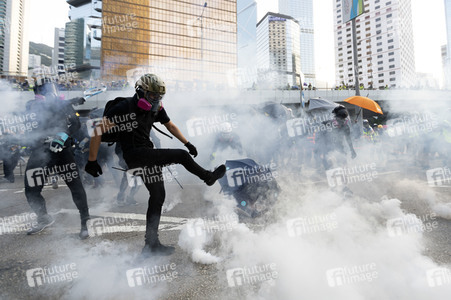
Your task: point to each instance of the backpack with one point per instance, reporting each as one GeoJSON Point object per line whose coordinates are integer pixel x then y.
{"type": "Point", "coordinates": [112, 136]}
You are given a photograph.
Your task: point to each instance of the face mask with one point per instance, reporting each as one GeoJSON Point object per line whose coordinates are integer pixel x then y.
{"type": "Point", "coordinates": [153, 105]}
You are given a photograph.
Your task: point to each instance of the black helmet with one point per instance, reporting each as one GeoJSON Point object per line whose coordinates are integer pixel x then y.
{"type": "Point", "coordinates": [340, 112]}
{"type": "Point", "coordinates": [46, 88]}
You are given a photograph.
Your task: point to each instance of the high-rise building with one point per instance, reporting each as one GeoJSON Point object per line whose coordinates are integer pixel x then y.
{"type": "Point", "coordinates": [447, 57]}
{"type": "Point", "coordinates": [385, 48]}
{"type": "Point", "coordinates": [14, 43]}
{"type": "Point", "coordinates": [34, 61]}
{"type": "Point", "coordinates": [58, 50]}
{"type": "Point", "coordinates": [84, 47]}
{"type": "Point", "coordinates": [278, 51]}
{"type": "Point", "coordinates": [302, 11]}
{"type": "Point", "coordinates": [191, 41]}
{"type": "Point", "coordinates": [246, 74]}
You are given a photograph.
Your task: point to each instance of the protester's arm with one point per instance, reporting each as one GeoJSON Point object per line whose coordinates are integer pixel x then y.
{"type": "Point", "coordinates": [96, 139]}
{"type": "Point", "coordinates": [172, 128]}
{"type": "Point", "coordinates": [175, 131]}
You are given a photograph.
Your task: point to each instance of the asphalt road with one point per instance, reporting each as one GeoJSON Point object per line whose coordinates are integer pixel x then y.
{"type": "Point", "coordinates": [107, 265]}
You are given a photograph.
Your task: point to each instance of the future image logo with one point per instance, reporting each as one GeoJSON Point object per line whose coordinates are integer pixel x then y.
{"type": "Point", "coordinates": [341, 176]}
{"type": "Point", "coordinates": [50, 275]}
{"type": "Point", "coordinates": [351, 274]}
{"type": "Point", "coordinates": [239, 176]}
{"type": "Point", "coordinates": [438, 176]}
{"type": "Point", "coordinates": [438, 277]}
{"type": "Point", "coordinates": [308, 225]}
{"type": "Point", "coordinates": [411, 224]}
{"type": "Point", "coordinates": [41, 176]}
{"type": "Point", "coordinates": [211, 124]}
{"type": "Point", "coordinates": [150, 275]}
{"type": "Point", "coordinates": [251, 275]}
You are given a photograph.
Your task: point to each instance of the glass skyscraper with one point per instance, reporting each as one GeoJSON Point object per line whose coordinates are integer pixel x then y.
{"type": "Point", "coordinates": [193, 41]}
{"type": "Point", "coordinates": [302, 11]}
{"type": "Point", "coordinates": [246, 43]}
{"type": "Point", "coordinates": [278, 53]}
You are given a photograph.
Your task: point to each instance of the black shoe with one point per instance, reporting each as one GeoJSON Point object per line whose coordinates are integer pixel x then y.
{"type": "Point", "coordinates": [84, 234]}
{"type": "Point", "coordinates": [10, 178]}
{"type": "Point", "coordinates": [131, 201]}
{"type": "Point", "coordinates": [215, 175]}
{"type": "Point", "coordinates": [157, 249]}
{"type": "Point", "coordinates": [43, 222]}
{"type": "Point", "coordinates": [54, 183]}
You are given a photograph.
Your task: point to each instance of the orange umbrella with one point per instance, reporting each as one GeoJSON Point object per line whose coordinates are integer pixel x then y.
{"type": "Point", "coordinates": [365, 102]}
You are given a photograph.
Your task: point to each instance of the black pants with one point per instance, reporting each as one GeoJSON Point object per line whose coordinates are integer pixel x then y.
{"type": "Point", "coordinates": [10, 161]}
{"type": "Point", "coordinates": [41, 166]}
{"type": "Point", "coordinates": [151, 159]}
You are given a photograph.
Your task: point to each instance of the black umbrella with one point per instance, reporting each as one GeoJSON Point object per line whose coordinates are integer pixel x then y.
{"type": "Point", "coordinates": [249, 182]}
{"type": "Point", "coordinates": [319, 103]}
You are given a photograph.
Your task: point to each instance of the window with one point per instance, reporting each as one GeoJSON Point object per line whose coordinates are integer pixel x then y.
{"type": "Point", "coordinates": [380, 75]}
{"type": "Point", "coordinates": [391, 53]}
{"type": "Point", "coordinates": [378, 31]}
{"type": "Point", "coordinates": [392, 79]}
{"type": "Point", "coordinates": [380, 56]}
{"type": "Point", "coordinates": [390, 41]}
{"type": "Point", "coordinates": [391, 66]}
{"type": "Point", "coordinates": [379, 50]}
{"type": "Point", "coordinates": [379, 44]}
{"type": "Point", "coordinates": [378, 19]}
{"type": "Point", "coordinates": [378, 38]}
{"type": "Point", "coordinates": [390, 47]}
{"type": "Point", "coordinates": [389, 16]}
{"type": "Point", "coordinates": [380, 68]}
{"type": "Point", "coordinates": [392, 73]}
{"type": "Point", "coordinates": [380, 62]}
{"type": "Point", "coordinates": [391, 60]}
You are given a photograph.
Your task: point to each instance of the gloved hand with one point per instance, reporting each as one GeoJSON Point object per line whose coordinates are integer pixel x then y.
{"type": "Point", "coordinates": [58, 141]}
{"type": "Point", "coordinates": [353, 154]}
{"type": "Point", "coordinates": [93, 168]}
{"type": "Point", "coordinates": [192, 150]}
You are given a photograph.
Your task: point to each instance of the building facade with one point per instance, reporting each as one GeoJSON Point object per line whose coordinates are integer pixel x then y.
{"type": "Point", "coordinates": [278, 51]}
{"type": "Point", "coordinates": [447, 51]}
{"type": "Point", "coordinates": [14, 43]}
{"type": "Point", "coordinates": [246, 75]}
{"type": "Point", "coordinates": [385, 47]}
{"type": "Point", "coordinates": [84, 41]}
{"type": "Point", "coordinates": [58, 50]}
{"type": "Point", "coordinates": [187, 42]}
{"type": "Point", "coordinates": [302, 11]}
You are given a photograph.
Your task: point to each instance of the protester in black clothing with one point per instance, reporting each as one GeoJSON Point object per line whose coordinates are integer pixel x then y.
{"type": "Point", "coordinates": [10, 154]}
{"type": "Point", "coordinates": [333, 140]}
{"type": "Point", "coordinates": [133, 118]}
{"type": "Point", "coordinates": [50, 142]}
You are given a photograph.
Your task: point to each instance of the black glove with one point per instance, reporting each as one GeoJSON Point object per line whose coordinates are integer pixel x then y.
{"type": "Point", "coordinates": [93, 168]}
{"type": "Point", "coordinates": [191, 148]}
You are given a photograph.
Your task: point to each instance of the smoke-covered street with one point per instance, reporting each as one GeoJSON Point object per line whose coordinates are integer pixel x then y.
{"type": "Point", "coordinates": [389, 237]}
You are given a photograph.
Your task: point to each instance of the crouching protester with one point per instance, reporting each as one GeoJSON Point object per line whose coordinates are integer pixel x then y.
{"type": "Point", "coordinates": [141, 111]}
{"type": "Point", "coordinates": [51, 153]}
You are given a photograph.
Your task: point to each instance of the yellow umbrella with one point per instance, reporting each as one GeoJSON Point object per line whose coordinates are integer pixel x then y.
{"type": "Point", "coordinates": [365, 103]}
